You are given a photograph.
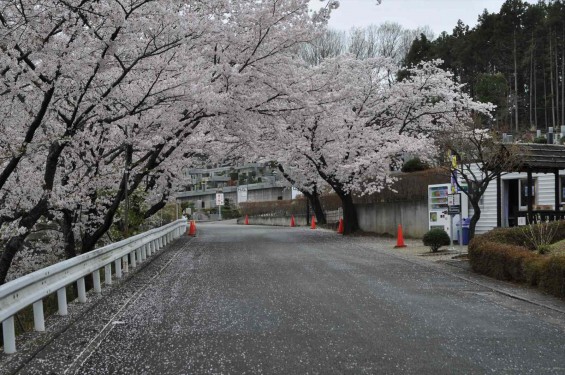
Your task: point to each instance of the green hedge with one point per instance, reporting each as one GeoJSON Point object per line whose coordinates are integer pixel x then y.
{"type": "Point", "coordinates": [506, 254]}
{"type": "Point", "coordinates": [515, 235]}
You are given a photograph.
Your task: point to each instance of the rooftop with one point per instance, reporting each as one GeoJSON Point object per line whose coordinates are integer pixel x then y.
{"type": "Point", "coordinates": [537, 157]}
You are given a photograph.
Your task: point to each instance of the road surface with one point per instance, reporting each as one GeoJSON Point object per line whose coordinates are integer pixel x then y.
{"type": "Point", "coordinates": [263, 300]}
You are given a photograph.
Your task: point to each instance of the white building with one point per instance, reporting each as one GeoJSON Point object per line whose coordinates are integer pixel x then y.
{"type": "Point", "coordinates": [251, 182]}
{"type": "Point", "coordinates": [510, 205]}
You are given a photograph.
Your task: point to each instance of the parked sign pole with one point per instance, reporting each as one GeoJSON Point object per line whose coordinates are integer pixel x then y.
{"type": "Point", "coordinates": [219, 203]}
{"type": "Point", "coordinates": [454, 208]}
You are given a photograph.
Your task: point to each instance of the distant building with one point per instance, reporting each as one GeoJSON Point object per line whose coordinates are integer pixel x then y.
{"type": "Point", "coordinates": [253, 182]}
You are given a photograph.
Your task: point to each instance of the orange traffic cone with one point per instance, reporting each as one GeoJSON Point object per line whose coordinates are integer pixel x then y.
{"type": "Point", "coordinates": [192, 229]}
{"type": "Point", "coordinates": [246, 220]}
{"type": "Point", "coordinates": [340, 227]}
{"type": "Point", "coordinates": [292, 222]}
{"type": "Point", "coordinates": [399, 238]}
{"type": "Point", "coordinates": [313, 226]}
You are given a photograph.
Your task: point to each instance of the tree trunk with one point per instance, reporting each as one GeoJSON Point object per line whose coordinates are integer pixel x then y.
{"type": "Point", "coordinates": [516, 84]}
{"type": "Point", "coordinates": [28, 221]}
{"type": "Point", "coordinates": [546, 119]}
{"type": "Point", "coordinates": [535, 95]}
{"type": "Point", "coordinates": [556, 89]}
{"type": "Point", "coordinates": [531, 80]}
{"type": "Point", "coordinates": [15, 243]}
{"type": "Point", "coordinates": [563, 84]}
{"type": "Point", "coordinates": [551, 82]}
{"type": "Point", "coordinates": [314, 200]}
{"type": "Point", "coordinates": [90, 239]}
{"type": "Point", "coordinates": [350, 221]}
{"type": "Point", "coordinates": [475, 218]}
{"type": "Point", "coordinates": [68, 234]}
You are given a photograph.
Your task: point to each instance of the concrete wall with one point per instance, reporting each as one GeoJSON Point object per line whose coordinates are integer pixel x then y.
{"type": "Point", "coordinates": [383, 218]}
{"type": "Point", "coordinates": [274, 221]}
{"type": "Point", "coordinates": [380, 218]}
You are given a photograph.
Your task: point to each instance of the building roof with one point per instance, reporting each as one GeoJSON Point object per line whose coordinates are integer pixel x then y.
{"type": "Point", "coordinates": [537, 157]}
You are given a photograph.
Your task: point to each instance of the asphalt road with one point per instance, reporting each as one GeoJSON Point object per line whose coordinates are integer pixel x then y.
{"type": "Point", "coordinates": [247, 299]}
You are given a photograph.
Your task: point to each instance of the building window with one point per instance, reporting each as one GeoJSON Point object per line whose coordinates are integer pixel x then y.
{"type": "Point", "coordinates": [525, 193]}
{"type": "Point", "coordinates": [562, 189]}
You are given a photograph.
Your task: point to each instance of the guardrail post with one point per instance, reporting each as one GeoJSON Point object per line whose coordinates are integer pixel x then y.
{"type": "Point", "coordinates": [138, 255]}
{"type": "Point", "coordinates": [152, 246]}
{"type": "Point", "coordinates": [81, 290]}
{"type": "Point", "coordinates": [9, 335]}
{"type": "Point", "coordinates": [38, 317]}
{"type": "Point", "coordinates": [118, 265]}
{"type": "Point", "coordinates": [126, 263]}
{"type": "Point", "coordinates": [132, 259]}
{"type": "Point", "coordinates": [108, 274]}
{"type": "Point", "coordinates": [62, 301]}
{"type": "Point", "coordinates": [143, 252]}
{"type": "Point", "coordinates": [96, 280]}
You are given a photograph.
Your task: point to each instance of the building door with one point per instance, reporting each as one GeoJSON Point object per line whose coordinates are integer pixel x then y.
{"type": "Point", "coordinates": [512, 202]}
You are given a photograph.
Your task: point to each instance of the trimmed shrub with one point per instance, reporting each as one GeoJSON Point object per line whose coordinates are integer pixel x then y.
{"type": "Point", "coordinates": [519, 235]}
{"type": "Point", "coordinates": [436, 238]}
{"type": "Point", "coordinates": [541, 140]}
{"type": "Point", "coordinates": [506, 254]}
{"type": "Point", "coordinates": [534, 269]}
{"type": "Point", "coordinates": [552, 278]}
{"type": "Point", "coordinates": [501, 261]}
{"type": "Point", "coordinates": [414, 165]}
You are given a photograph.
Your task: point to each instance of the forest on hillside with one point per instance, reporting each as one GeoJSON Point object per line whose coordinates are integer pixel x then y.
{"type": "Point", "coordinates": [514, 58]}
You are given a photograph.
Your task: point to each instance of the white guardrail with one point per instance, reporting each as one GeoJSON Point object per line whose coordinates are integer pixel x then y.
{"type": "Point", "coordinates": [32, 288]}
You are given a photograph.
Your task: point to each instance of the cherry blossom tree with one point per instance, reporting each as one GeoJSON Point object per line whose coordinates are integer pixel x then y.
{"type": "Point", "coordinates": [72, 69]}
{"type": "Point", "coordinates": [91, 90]}
{"type": "Point", "coordinates": [354, 124]}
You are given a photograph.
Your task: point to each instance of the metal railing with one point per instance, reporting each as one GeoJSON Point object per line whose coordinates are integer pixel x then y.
{"type": "Point", "coordinates": [32, 288]}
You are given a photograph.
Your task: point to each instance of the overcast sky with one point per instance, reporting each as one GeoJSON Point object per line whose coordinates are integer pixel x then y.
{"type": "Point", "coordinates": [440, 15]}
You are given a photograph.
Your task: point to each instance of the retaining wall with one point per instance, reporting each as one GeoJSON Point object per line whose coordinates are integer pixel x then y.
{"type": "Point", "coordinates": [380, 218]}
{"type": "Point", "coordinates": [383, 218]}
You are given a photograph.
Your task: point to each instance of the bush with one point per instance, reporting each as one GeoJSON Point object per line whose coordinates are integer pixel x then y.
{"type": "Point", "coordinates": [540, 140]}
{"type": "Point", "coordinates": [435, 239]}
{"type": "Point", "coordinates": [552, 279]}
{"type": "Point", "coordinates": [507, 254]}
{"type": "Point", "coordinates": [414, 165]}
{"type": "Point", "coordinates": [521, 236]}
{"type": "Point", "coordinates": [498, 260]}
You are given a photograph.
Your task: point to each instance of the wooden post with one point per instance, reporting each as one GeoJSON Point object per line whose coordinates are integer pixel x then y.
{"type": "Point", "coordinates": [557, 195]}
{"type": "Point", "coordinates": [530, 197]}
{"type": "Point", "coordinates": [498, 201]}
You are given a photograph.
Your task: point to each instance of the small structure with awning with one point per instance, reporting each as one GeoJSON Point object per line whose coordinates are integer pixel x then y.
{"type": "Point", "coordinates": [531, 159]}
